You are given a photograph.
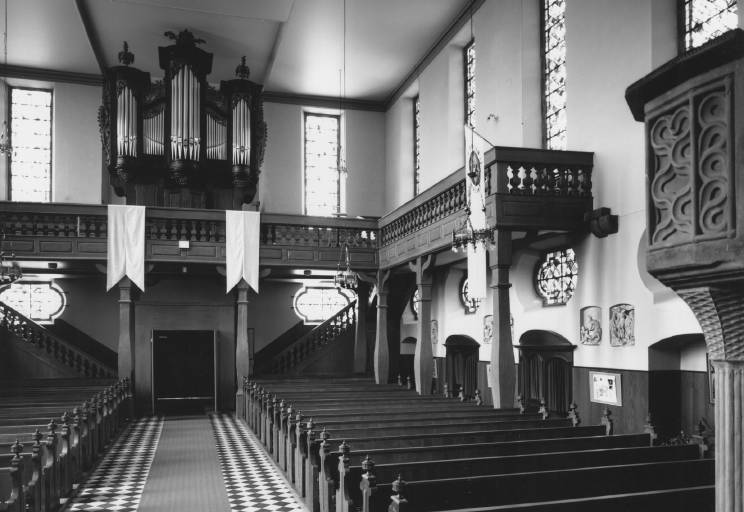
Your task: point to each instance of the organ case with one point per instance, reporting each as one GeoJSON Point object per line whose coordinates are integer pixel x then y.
{"type": "Point", "coordinates": [180, 141]}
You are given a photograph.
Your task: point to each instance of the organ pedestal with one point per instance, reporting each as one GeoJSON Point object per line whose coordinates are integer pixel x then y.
{"type": "Point", "coordinates": [180, 141]}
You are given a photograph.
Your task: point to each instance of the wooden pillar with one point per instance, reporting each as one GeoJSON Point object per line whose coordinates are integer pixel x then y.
{"type": "Point", "coordinates": [720, 312]}
{"type": "Point", "coordinates": [423, 361]}
{"type": "Point", "coordinates": [243, 363]}
{"type": "Point", "coordinates": [503, 371]}
{"type": "Point", "coordinates": [126, 353]}
{"type": "Point", "coordinates": [382, 357]}
{"type": "Point", "coordinates": [360, 334]}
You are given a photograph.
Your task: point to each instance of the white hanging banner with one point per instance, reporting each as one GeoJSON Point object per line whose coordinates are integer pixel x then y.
{"type": "Point", "coordinates": [242, 238]}
{"type": "Point", "coordinates": [475, 148]}
{"type": "Point", "coordinates": [126, 245]}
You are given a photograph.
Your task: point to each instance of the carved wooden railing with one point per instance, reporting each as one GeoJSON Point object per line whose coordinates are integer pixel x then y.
{"type": "Point", "coordinates": [52, 346]}
{"type": "Point", "coordinates": [339, 324]}
{"type": "Point", "coordinates": [526, 189]}
{"type": "Point", "coordinates": [72, 231]}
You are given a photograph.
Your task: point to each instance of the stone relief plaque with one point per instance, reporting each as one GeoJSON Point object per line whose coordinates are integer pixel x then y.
{"type": "Point", "coordinates": [622, 325]}
{"type": "Point", "coordinates": [590, 332]}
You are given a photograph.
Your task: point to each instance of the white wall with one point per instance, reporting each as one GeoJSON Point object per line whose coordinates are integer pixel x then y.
{"type": "Point", "coordinates": [609, 46]}
{"type": "Point", "coordinates": [76, 144]}
{"type": "Point", "coordinates": [281, 181]}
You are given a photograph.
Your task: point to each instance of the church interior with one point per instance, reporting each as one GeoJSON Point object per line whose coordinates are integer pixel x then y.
{"type": "Point", "coordinates": [341, 255]}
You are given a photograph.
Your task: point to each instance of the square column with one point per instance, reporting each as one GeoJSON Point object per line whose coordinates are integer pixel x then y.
{"type": "Point", "coordinates": [503, 370]}
{"type": "Point", "coordinates": [243, 350]}
{"type": "Point", "coordinates": [423, 361]}
{"type": "Point", "coordinates": [381, 355]}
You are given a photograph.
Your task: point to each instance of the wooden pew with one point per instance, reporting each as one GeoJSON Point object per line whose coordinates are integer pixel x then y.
{"type": "Point", "coordinates": [350, 493]}
{"type": "Point", "coordinates": [692, 499]}
{"type": "Point", "coordinates": [312, 484]}
{"type": "Point", "coordinates": [71, 445]}
{"type": "Point", "coordinates": [539, 486]}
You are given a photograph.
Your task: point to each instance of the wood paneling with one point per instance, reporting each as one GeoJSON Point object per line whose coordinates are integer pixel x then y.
{"type": "Point", "coordinates": [628, 418]}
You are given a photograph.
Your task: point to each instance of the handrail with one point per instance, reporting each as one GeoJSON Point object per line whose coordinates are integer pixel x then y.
{"type": "Point", "coordinates": [509, 170]}
{"type": "Point", "coordinates": [91, 221]}
{"type": "Point", "coordinates": [53, 346]}
{"type": "Point", "coordinates": [340, 323]}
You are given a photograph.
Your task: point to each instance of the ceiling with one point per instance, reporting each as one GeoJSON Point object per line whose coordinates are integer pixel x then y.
{"type": "Point", "coordinates": [293, 47]}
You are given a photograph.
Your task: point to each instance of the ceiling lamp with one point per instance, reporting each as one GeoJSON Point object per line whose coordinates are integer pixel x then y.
{"type": "Point", "coordinates": [345, 278]}
{"type": "Point", "coordinates": [10, 271]}
{"type": "Point", "coordinates": [181, 132]}
{"type": "Point", "coordinates": [465, 235]}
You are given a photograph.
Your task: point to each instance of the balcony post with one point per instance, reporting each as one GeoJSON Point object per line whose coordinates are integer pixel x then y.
{"type": "Point", "coordinates": [423, 361]}
{"type": "Point", "coordinates": [381, 356]}
{"type": "Point", "coordinates": [243, 362]}
{"type": "Point", "coordinates": [360, 333]}
{"type": "Point", "coordinates": [126, 350]}
{"type": "Point", "coordinates": [503, 371]}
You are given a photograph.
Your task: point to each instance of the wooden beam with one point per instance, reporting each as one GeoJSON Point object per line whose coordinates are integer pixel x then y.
{"type": "Point", "coordinates": [443, 40]}
{"type": "Point", "coordinates": [92, 33]}
{"type": "Point", "coordinates": [50, 75]}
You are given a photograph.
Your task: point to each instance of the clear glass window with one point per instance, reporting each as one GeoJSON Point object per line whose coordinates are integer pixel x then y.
{"type": "Point", "coordinates": [31, 138]}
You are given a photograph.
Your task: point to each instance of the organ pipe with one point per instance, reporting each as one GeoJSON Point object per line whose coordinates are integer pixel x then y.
{"type": "Point", "coordinates": [160, 127]}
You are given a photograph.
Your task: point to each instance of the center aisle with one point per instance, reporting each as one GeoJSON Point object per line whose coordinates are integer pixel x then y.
{"type": "Point", "coordinates": [185, 474]}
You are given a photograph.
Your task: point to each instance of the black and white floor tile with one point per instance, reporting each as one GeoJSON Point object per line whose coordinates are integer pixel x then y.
{"type": "Point", "coordinates": [116, 484]}
{"type": "Point", "coordinates": [253, 482]}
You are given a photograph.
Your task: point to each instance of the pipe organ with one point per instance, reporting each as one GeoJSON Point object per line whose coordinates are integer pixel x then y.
{"type": "Point", "coordinates": [180, 141]}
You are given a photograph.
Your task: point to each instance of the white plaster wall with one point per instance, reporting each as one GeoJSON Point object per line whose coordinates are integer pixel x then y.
{"type": "Point", "coordinates": [508, 86]}
{"type": "Point", "coordinates": [281, 181]}
{"type": "Point", "coordinates": [399, 152]}
{"type": "Point", "coordinates": [609, 46]}
{"type": "Point", "coordinates": [76, 144]}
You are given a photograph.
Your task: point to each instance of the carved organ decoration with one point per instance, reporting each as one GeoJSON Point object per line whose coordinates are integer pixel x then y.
{"type": "Point", "coordinates": [181, 133]}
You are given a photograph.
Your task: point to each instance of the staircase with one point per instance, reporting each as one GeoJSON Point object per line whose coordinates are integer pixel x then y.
{"type": "Point", "coordinates": [326, 350]}
{"type": "Point", "coordinates": [63, 357]}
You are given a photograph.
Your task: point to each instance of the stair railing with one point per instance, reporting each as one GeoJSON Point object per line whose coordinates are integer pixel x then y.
{"type": "Point", "coordinates": [342, 322]}
{"type": "Point", "coordinates": [53, 346]}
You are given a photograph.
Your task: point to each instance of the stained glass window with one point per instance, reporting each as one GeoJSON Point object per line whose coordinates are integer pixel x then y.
{"type": "Point", "coordinates": [554, 73]}
{"type": "Point", "coordinates": [31, 137]}
{"type": "Point", "coordinates": [470, 305]}
{"type": "Point", "coordinates": [41, 302]}
{"type": "Point", "coordinates": [556, 277]}
{"type": "Point", "coordinates": [324, 176]}
{"type": "Point", "coordinates": [707, 19]}
{"type": "Point", "coordinates": [469, 54]}
{"type": "Point", "coordinates": [315, 305]}
{"type": "Point", "coordinates": [416, 146]}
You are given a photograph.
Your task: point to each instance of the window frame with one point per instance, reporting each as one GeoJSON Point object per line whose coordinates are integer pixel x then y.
{"type": "Point", "coordinates": [339, 201]}
{"type": "Point", "coordinates": [9, 121]}
{"type": "Point", "coordinates": [682, 29]}
{"type": "Point", "coordinates": [544, 75]}
{"type": "Point", "coordinates": [416, 118]}
{"type": "Point", "coordinates": [466, 80]}
{"type": "Point", "coordinates": [536, 271]}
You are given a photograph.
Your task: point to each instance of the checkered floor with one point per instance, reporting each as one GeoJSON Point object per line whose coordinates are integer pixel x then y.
{"type": "Point", "coordinates": [253, 482]}
{"type": "Point", "coordinates": [117, 483]}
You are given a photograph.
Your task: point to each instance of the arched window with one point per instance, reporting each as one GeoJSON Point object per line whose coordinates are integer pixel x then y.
{"type": "Point", "coordinates": [556, 277]}
{"type": "Point", "coordinates": [315, 304]}
{"type": "Point", "coordinates": [42, 302]}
